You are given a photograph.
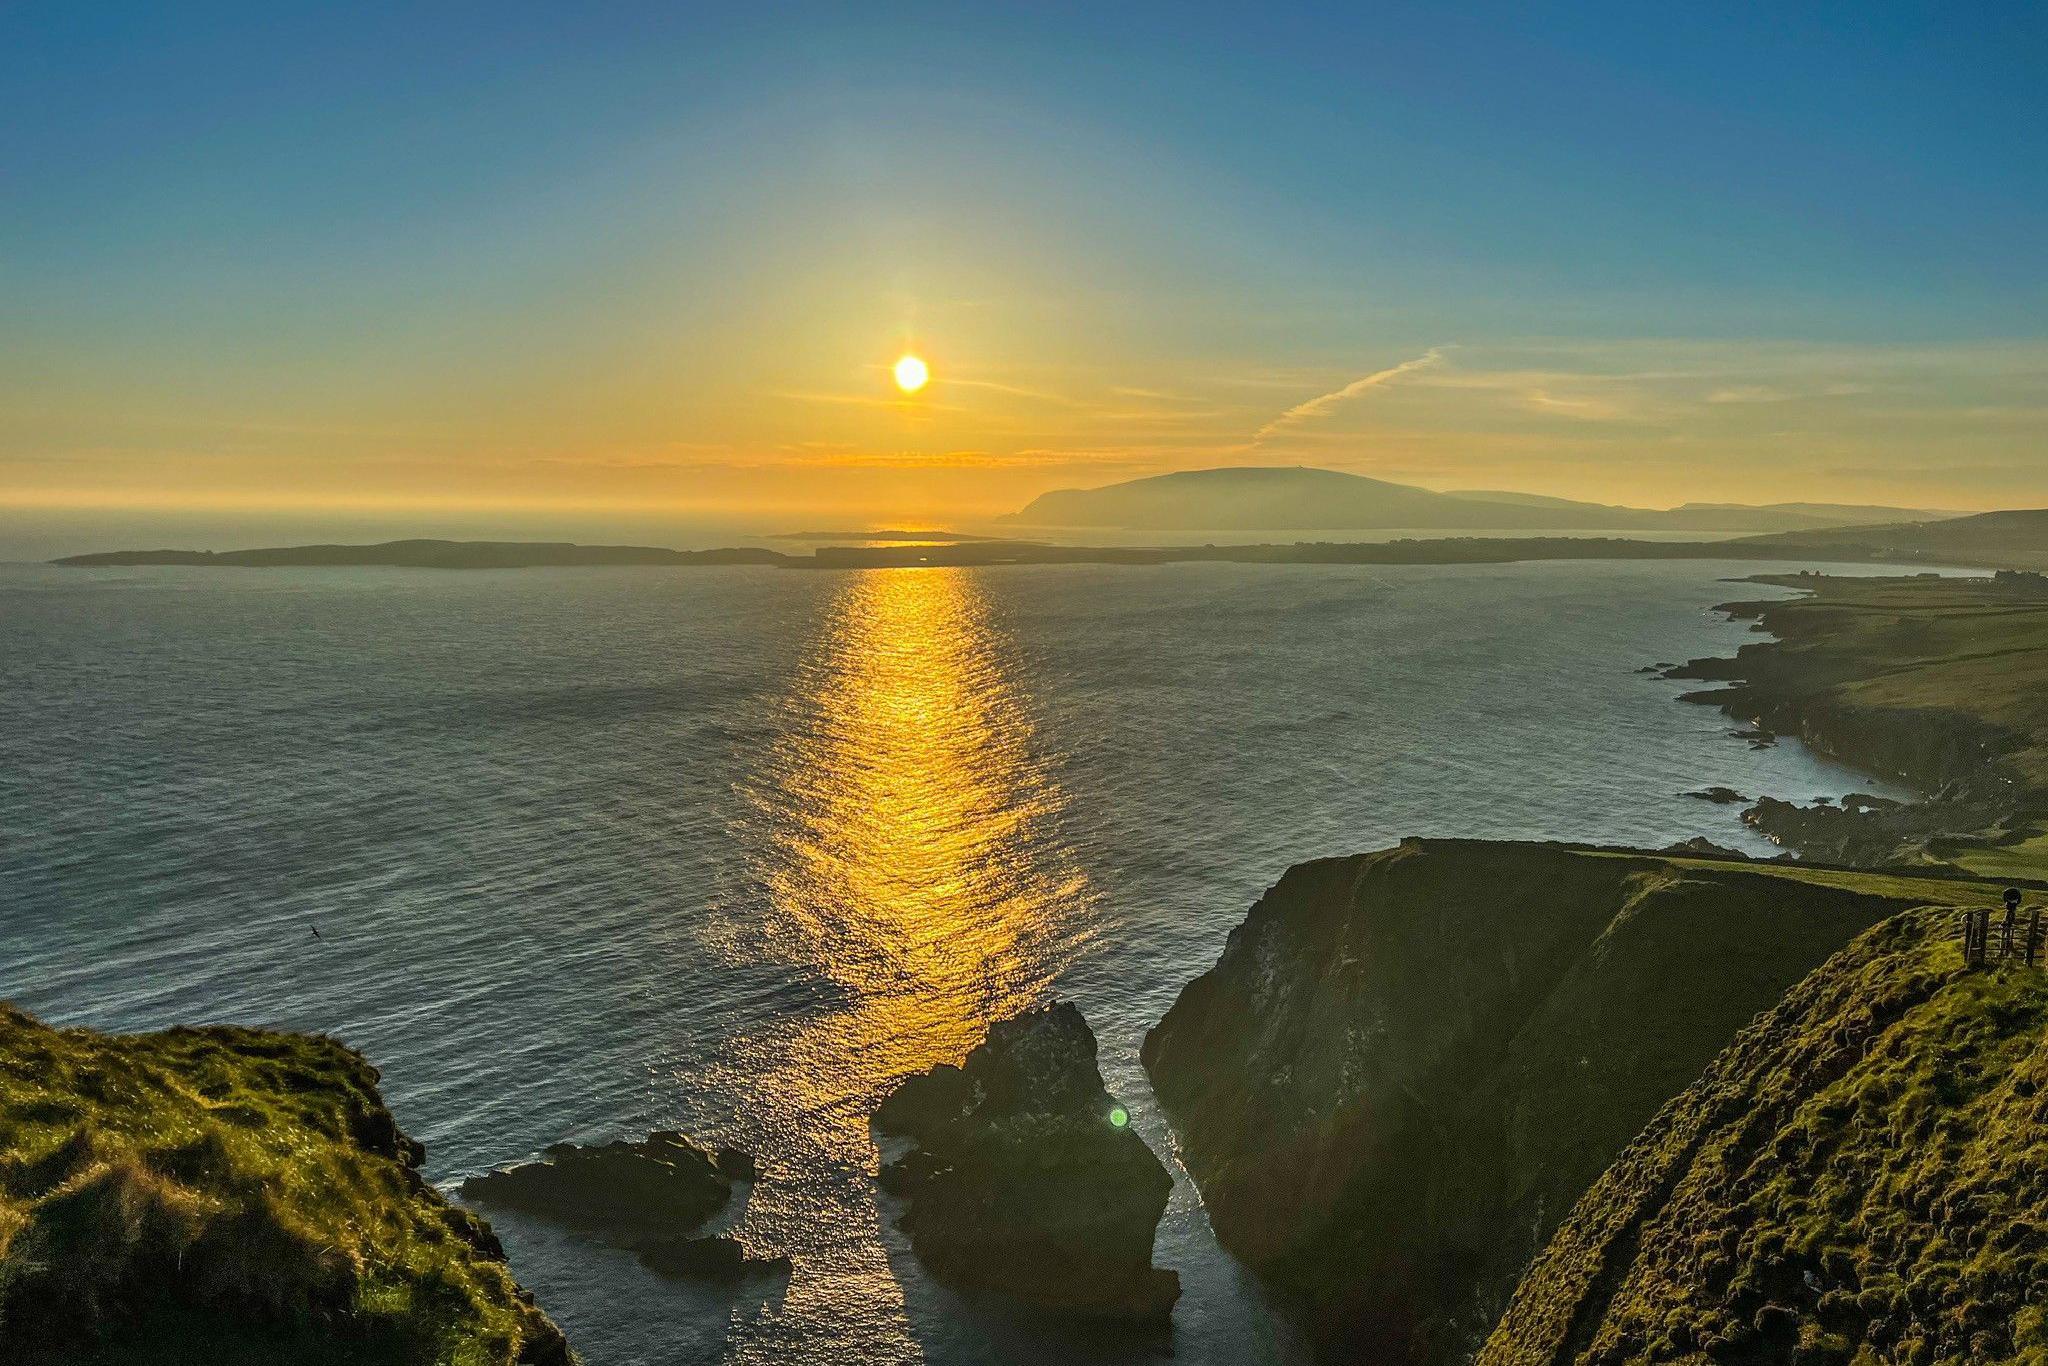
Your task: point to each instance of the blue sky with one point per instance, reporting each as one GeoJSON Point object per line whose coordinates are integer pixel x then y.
{"type": "Point", "coordinates": [651, 257]}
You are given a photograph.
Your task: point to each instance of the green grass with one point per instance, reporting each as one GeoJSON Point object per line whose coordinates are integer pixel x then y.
{"type": "Point", "coordinates": [1904, 887]}
{"type": "Point", "coordinates": [1861, 1177]}
{"type": "Point", "coordinates": [2028, 859]}
{"type": "Point", "coordinates": [231, 1196]}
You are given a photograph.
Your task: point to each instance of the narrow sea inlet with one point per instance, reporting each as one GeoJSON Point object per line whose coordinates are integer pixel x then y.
{"type": "Point", "coordinates": [596, 852]}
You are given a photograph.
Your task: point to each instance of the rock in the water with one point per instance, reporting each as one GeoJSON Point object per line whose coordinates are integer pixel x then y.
{"type": "Point", "coordinates": [736, 1165]}
{"type": "Point", "coordinates": [1720, 796]}
{"type": "Point", "coordinates": [1700, 844]}
{"type": "Point", "coordinates": [718, 1258]}
{"type": "Point", "coordinates": [661, 1185]}
{"type": "Point", "coordinates": [1026, 1181]}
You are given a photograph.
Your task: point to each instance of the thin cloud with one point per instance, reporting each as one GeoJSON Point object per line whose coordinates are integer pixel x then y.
{"type": "Point", "coordinates": [1011, 389]}
{"type": "Point", "coordinates": [900, 402]}
{"type": "Point", "coordinates": [1317, 407]}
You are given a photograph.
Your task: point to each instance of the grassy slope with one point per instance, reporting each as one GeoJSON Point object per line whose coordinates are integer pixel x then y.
{"type": "Point", "coordinates": [1943, 681]}
{"type": "Point", "coordinates": [1408, 1065]}
{"type": "Point", "coordinates": [231, 1196]}
{"type": "Point", "coordinates": [1861, 1176]}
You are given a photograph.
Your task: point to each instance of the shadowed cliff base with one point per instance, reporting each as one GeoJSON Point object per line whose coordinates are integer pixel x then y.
{"type": "Point", "coordinates": [1407, 1065]}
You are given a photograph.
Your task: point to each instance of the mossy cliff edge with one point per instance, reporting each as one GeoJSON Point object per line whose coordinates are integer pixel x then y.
{"type": "Point", "coordinates": [1862, 1176]}
{"type": "Point", "coordinates": [232, 1196]}
{"type": "Point", "coordinates": [1407, 1066]}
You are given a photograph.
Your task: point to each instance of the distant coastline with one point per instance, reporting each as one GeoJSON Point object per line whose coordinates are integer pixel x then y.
{"type": "Point", "coordinates": [886, 534]}
{"type": "Point", "coordinates": [1992, 540]}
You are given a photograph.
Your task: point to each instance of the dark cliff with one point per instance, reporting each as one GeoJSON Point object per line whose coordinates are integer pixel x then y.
{"type": "Point", "coordinates": [1407, 1065]}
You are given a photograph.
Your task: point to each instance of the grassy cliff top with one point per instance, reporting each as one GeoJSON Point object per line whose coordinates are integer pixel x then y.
{"type": "Point", "coordinates": [1861, 1176]}
{"type": "Point", "coordinates": [1976, 646]}
{"type": "Point", "coordinates": [231, 1196]}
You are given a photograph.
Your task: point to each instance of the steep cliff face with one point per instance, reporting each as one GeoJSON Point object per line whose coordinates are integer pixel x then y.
{"type": "Point", "coordinates": [1860, 1176]}
{"type": "Point", "coordinates": [1407, 1065]}
{"type": "Point", "coordinates": [232, 1197]}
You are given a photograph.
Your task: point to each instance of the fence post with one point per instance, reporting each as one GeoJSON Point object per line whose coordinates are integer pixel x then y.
{"type": "Point", "coordinates": [2034, 938]}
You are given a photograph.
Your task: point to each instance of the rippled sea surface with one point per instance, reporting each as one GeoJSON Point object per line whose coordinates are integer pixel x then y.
{"type": "Point", "coordinates": [594, 852]}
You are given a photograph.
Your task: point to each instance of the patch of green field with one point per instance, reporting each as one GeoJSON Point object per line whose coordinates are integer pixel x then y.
{"type": "Point", "coordinates": [231, 1196]}
{"type": "Point", "coordinates": [1892, 886]}
{"type": "Point", "coordinates": [2026, 861]}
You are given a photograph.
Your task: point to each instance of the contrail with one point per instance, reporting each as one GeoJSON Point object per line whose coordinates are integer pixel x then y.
{"type": "Point", "coordinates": [1316, 407]}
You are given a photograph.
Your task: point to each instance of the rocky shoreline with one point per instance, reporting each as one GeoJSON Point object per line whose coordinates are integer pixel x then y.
{"type": "Point", "coordinates": [1888, 675]}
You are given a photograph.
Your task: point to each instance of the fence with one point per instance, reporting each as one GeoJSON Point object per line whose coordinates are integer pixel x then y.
{"type": "Point", "coordinates": [2010, 938]}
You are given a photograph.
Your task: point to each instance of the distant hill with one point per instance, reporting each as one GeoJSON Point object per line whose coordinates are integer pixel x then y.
{"type": "Point", "coordinates": [1994, 540]}
{"type": "Point", "coordinates": [1722, 516]}
{"type": "Point", "coordinates": [1299, 498]}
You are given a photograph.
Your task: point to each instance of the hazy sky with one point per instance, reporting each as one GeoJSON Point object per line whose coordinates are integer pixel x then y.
{"type": "Point", "coordinates": [582, 260]}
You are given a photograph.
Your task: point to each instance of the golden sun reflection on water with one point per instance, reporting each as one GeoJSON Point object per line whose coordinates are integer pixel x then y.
{"type": "Point", "coordinates": [904, 829]}
{"type": "Point", "coordinates": [909, 856]}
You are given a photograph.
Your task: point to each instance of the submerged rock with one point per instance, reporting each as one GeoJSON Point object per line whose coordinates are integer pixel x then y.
{"type": "Point", "coordinates": [1720, 796]}
{"type": "Point", "coordinates": [630, 1191]}
{"type": "Point", "coordinates": [1027, 1182]}
{"type": "Point", "coordinates": [1700, 844]}
{"type": "Point", "coordinates": [719, 1258]}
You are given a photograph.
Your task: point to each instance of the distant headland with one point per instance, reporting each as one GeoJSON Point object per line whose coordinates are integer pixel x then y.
{"type": "Point", "coordinates": [1990, 540]}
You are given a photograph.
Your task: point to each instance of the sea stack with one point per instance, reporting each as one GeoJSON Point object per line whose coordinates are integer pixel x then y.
{"type": "Point", "coordinates": [1026, 1182]}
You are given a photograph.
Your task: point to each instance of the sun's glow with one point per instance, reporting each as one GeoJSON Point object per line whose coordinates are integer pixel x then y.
{"type": "Point", "coordinates": [912, 374]}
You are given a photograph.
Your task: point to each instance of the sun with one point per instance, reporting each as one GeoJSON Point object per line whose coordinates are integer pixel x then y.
{"type": "Point", "coordinates": [912, 374]}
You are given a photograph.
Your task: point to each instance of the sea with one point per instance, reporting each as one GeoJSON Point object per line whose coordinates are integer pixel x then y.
{"type": "Point", "coordinates": [595, 852]}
